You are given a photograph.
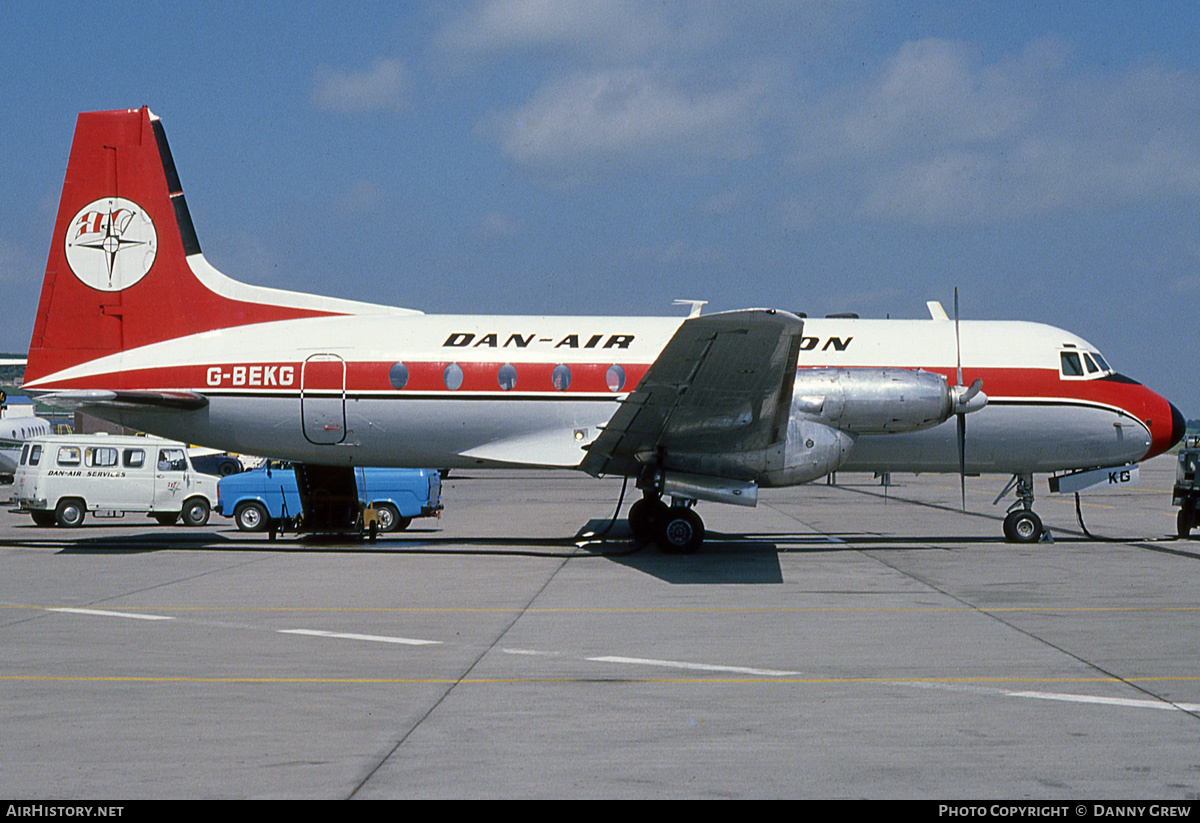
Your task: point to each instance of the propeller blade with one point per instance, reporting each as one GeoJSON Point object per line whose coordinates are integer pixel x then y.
{"type": "Point", "coordinates": [957, 340]}
{"type": "Point", "coordinates": [963, 398]}
{"type": "Point", "coordinates": [963, 395]}
{"type": "Point", "coordinates": [962, 457]}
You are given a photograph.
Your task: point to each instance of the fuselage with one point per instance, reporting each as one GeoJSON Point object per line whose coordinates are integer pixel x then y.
{"type": "Point", "coordinates": [14, 431]}
{"type": "Point", "coordinates": [455, 391]}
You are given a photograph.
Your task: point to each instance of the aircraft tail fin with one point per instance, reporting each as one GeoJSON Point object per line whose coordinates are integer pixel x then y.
{"type": "Point", "coordinates": [125, 268]}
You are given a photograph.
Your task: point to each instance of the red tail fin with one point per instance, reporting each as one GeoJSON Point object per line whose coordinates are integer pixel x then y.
{"type": "Point", "coordinates": [125, 268]}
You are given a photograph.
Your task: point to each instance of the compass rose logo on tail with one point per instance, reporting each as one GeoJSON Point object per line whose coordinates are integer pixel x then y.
{"type": "Point", "coordinates": [111, 244]}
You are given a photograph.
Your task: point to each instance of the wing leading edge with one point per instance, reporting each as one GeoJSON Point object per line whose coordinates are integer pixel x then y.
{"type": "Point", "coordinates": [715, 401]}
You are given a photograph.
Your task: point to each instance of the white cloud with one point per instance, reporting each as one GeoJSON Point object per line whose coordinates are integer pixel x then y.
{"type": "Point", "coordinates": [630, 114]}
{"type": "Point", "coordinates": [939, 136]}
{"type": "Point", "coordinates": [598, 29]}
{"type": "Point", "coordinates": [382, 87]}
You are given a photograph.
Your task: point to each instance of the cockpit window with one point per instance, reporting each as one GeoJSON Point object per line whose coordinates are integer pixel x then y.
{"type": "Point", "coordinates": [1071, 367]}
{"type": "Point", "coordinates": [1088, 365]}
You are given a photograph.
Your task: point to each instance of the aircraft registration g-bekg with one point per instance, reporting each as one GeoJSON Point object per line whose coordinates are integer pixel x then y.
{"type": "Point", "coordinates": [136, 327]}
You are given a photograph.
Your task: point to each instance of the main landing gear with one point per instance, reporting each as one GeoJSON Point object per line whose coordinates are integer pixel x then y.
{"type": "Point", "coordinates": [1022, 525]}
{"type": "Point", "coordinates": [676, 529]}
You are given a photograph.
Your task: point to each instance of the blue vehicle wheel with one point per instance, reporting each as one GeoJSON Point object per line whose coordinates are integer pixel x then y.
{"type": "Point", "coordinates": [250, 517]}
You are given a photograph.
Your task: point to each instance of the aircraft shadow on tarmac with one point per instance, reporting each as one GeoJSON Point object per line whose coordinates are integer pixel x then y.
{"type": "Point", "coordinates": [746, 558]}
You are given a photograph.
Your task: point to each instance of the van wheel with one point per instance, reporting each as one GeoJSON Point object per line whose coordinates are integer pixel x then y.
{"type": "Point", "coordinates": [1184, 521]}
{"type": "Point", "coordinates": [43, 518]}
{"type": "Point", "coordinates": [69, 512]}
{"type": "Point", "coordinates": [389, 517]}
{"type": "Point", "coordinates": [195, 512]}
{"type": "Point", "coordinates": [250, 517]}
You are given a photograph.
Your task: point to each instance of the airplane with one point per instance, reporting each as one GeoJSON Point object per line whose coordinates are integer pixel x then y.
{"type": "Point", "coordinates": [135, 326]}
{"type": "Point", "coordinates": [18, 423]}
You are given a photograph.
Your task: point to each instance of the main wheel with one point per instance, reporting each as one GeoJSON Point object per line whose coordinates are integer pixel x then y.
{"type": "Point", "coordinates": [681, 531]}
{"type": "Point", "coordinates": [195, 512]}
{"type": "Point", "coordinates": [644, 514]}
{"type": "Point", "coordinates": [1023, 526]}
{"type": "Point", "coordinates": [70, 512]}
{"type": "Point", "coordinates": [250, 517]}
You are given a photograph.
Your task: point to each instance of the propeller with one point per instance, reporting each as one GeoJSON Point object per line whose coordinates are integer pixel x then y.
{"type": "Point", "coordinates": [965, 401]}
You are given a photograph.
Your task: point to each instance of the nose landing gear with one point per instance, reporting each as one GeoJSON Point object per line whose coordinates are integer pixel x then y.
{"type": "Point", "coordinates": [1022, 525]}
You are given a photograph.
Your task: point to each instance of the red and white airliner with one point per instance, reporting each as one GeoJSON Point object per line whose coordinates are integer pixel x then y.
{"type": "Point", "coordinates": [136, 327]}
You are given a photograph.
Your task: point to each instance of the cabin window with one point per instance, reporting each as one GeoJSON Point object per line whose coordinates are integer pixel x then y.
{"type": "Point", "coordinates": [615, 376]}
{"type": "Point", "coordinates": [398, 376]}
{"type": "Point", "coordinates": [1101, 362]}
{"type": "Point", "coordinates": [134, 458]}
{"type": "Point", "coordinates": [1071, 366]}
{"type": "Point", "coordinates": [100, 456]}
{"type": "Point", "coordinates": [453, 377]}
{"type": "Point", "coordinates": [68, 456]}
{"type": "Point", "coordinates": [1090, 363]}
{"type": "Point", "coordinates": [561, 377]}
{"type": "Point", "coordinates": [507, 376]}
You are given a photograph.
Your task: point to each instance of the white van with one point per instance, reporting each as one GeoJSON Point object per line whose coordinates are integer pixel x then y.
{"type": "Point", "coordinates": [59, 478]}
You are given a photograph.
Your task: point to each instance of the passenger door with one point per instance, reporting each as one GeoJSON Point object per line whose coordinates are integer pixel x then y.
{"type": "Point", "coordinates": [323, 399]}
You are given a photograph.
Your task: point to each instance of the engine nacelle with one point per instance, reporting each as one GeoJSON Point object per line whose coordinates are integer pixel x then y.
{"type": "Point", "coordinates": [812, 450]}
{"type": "Point", "coordinates": [873, 401]}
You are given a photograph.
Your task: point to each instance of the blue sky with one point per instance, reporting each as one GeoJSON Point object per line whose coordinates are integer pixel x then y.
{"type": "Point", "coordinates": [591, 157]}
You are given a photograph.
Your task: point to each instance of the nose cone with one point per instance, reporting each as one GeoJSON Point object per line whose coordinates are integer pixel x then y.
{"type": "Point", "coordinates": [1166, 428]}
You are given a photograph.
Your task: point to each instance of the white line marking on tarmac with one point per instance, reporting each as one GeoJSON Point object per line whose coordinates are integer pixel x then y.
{"type": "Point", "coordinates": [531, 652]}
{"type": "Point", "coordinates": [1109, 701]}
{"type": "Point", "coordinates": [103, 613]}
{"type": "Point", "coordinates": [1066, 697]}
{"type": "Point", "coordinates": [404, 641]}
{"type": "Point", "coordinates": [705, 667]}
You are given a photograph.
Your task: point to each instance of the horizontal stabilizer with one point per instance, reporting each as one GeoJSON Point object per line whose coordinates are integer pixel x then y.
{"type": "Point", "coordinates": [92, 398]}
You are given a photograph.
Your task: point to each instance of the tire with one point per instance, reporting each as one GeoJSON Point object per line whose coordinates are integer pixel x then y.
{"type": "Point", "coordinates": [70, 512]}
{"type": "Point", "coordinates": [681, 531]}
{"type": "Point", "coordinates": [42, 518]}
{"type": "Point", "coordinates": [1023, 526]}
{"type": "Point", "coordinates": [228, 467]}
{"type": "Point", "coordinates": [644, 514]}
{"type": "Point", "coordinates": [1184, 521]}
{"type": "Point", "coordinates": [167, 519]}
{"type": "Point", "coordinates": [251, 517]}
{"type": "Point", "coordinates": [389, 518]}
{"type": "Point", "coordinates": [195, 512]}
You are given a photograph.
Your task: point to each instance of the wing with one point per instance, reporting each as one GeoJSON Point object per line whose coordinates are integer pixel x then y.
{"type": "Point", "coordinates": [716, 400]}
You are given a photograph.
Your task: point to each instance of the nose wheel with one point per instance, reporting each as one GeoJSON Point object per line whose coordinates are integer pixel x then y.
{"type": "Point", "coordinates": [1022, 525]}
